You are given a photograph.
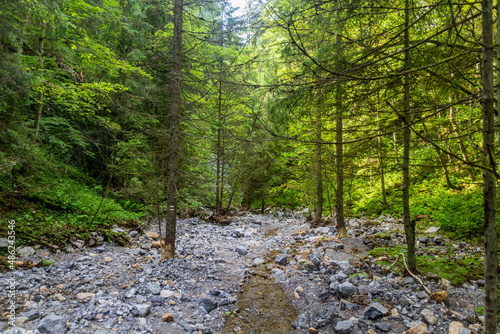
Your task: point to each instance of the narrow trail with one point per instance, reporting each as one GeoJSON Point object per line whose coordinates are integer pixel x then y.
{"type": "Point", "coordinates": [260, 274]}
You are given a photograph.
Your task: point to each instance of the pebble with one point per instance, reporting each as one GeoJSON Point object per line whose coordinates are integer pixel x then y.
{"type": "Point", "coordinates": [242, 250]}
{"type": "Point", "coordinates": [428, 317]}
{"type": "Point", "coordinates": [167, 317]}
{"type": "Point", "coordinates": [281, 260]}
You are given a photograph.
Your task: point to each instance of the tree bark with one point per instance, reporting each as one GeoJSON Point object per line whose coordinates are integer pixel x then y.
{"type": "Point", "coordinates": [173, 156]}
{"type": "Point", "coordinates": [339, 168]}
{"type": "Point", "coordinates": [38, 112]}
{"type": "Point", "coordinates": [489, 180]}
{"type": "Point", "coordinates": [319, 167]}
{"type": "Point", "coordinates": [218, 162]}
{"type": "Point", "coordinates": [339, 153]}
{"type": "Point", "coordinates": [408, 224]}
{"type": "Point", "coordinates": [381, 165]}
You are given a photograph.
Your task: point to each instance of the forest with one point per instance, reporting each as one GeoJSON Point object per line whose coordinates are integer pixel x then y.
{"type": "Point", "coordinates": [114, 112]}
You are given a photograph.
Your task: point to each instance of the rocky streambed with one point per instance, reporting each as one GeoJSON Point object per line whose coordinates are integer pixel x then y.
{"type": "Point", "coordinates": [260, 274]}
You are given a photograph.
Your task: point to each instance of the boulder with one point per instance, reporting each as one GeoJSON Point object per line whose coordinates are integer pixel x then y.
{"type": "Point", "coordinates": [52, 324]}
{"type": "Point", "coordinates": [344, 327]}
{"type": "Point", "coordinates": [207, 303]}
{"type": "Point", "coordinates": [374, 311]}
{"type": "Point", "coordinates": [346, 289]}
{"type": "Point", "coordinates": [26, 251]}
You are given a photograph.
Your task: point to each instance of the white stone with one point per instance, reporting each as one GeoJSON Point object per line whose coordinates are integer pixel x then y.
{"type": "Point", "coordinates": [167, 293]}
{"type": "Point", "coordinates": [432, 229]}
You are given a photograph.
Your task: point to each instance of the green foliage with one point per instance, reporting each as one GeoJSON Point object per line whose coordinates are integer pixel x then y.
{"type": "Point", "coordinates": [457, 271]}
{"type": "Point", "coordinates": [461, 214]}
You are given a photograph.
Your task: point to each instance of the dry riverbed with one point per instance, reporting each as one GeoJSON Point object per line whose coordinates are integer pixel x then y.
{"type": "Point", "coordinates": [260, 274]}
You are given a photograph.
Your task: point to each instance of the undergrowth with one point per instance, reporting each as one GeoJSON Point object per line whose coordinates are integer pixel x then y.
{"type": "Point", "coordinates": [457, 271]}
{"type": "Point", "coordinates": [459, 213]}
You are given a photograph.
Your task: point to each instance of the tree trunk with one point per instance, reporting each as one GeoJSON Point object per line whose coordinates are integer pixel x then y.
{"type": "Point", "coordinates": [38, 113]}
{"type": "Point", "coordinates": [218, 167]}
{"type": "Point", "coordinates": [339, 168]}
{"type": "Point", "coordinates": [173, 156]}
{"type": "Point", "coordinates": [408, 224]}
{"type": "Point", "coordinates": [381, 165]}
{"type": "Point", "coordinates": [489, 179]}
{"type": "Point", "coordinates": [319, 167]}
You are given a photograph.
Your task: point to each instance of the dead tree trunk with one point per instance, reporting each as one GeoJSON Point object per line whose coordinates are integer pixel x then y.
{"type": "Point", "coordinates": [173, 155]}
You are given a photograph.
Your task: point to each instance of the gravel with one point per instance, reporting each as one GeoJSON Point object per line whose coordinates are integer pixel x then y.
{"type": "Point", "coordinates": [128, 289]}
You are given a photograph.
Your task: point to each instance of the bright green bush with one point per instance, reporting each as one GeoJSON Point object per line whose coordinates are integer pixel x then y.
{"type": "Point", "coordinates": [461, 214]}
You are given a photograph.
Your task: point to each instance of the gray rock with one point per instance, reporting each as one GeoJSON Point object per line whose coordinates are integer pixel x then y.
{"type": "Point", "coordinates": [26, 251]}
{"type": "Point", "coordinates": [363, 290]}
{"type": "Point", "coordinates": [374, 311]}
{"type": "Point", "coordinates": [305, 265]}
{"type": "Point", "coordinates": [15, 330]}
{"type": "Point", "coordinates": [344, 327]}
{"type": "Point", "coordinates": [422, 295]}
{"type": "Point", "coordinates": [154, 288]}
{"type": "Point", "coordinates": [346, 290]}
{"type": "Point", "coordinates": [157, 300]}
{"type": "Point", "coordinates": [438, 240]}
{"type": "Point", "coordinates": [374, 287]}
{"type": "Point", "coordinates": [4, 243]}
{"type": "Point", "coordinates": [239, 233]}
{"type": "Point", "coordinates": [133, 233]}
{"type": "Point", "coordinates": [464, 330]}
{"type": "Point", "coordinates": [432, 229]}
{"type": "Point", "coordinates": [314, 259]}
{"type": "Point", "coordinates": [84, 259]}
{"type": "Point", "coordinates": [242, 250]}
{"type": "Point", "coordinates": [258, 261]}
{"type": "Point", "coordinates": [207, 303]}
{"type": "Point", "coordinates": [428, 317]}
{"type": "Point", "coordinates": [281, 259]}
{"type": "Point", "coordinates": [141, 310]}
{"type": "Point", "coordinates": [316, 318]}
{"type": "Point", "coordinates": [383, 326]}
{"type": "Point", "coordinates": [31, 314]}
{"type": "Point", "coordinates": [344, 265]}
{"type": "Point", "coordinates": [78, 243]}
{"type": "Point", "coordinates": [340, 277]}
{"type": "Point", "coordinates": [52, 324]}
